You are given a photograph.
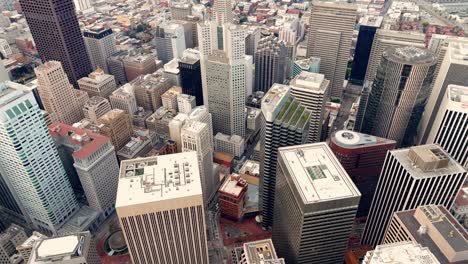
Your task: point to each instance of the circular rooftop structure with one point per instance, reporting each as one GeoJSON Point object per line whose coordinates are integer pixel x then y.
{"type": "Point", "coordinates": [347, 137]}
{"type": "Point", "coordinates": [410, 55]}
{"type": "Point", "coordinates": [115, 244]}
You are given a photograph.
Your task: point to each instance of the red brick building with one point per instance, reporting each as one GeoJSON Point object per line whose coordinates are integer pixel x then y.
{"type": "Point", "coordinates": [232, 196]}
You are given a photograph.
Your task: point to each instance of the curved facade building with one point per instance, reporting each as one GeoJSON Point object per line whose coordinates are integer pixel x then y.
{"type": "Point", "coordinates": [399, 94]}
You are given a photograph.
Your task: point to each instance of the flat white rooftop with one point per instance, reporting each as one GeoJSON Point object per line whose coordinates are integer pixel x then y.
{"type": "Point", "coordinates": [404, 252]}
{"type": "Point", "coordinates": [310, 81]}
{"type": "Point", "coordinates": [58, 246]}
{"type": "Point", "coordinates": [146, 180]}
{"type": "Point", "coordinates": [317, 174]}
{"type": "Point", "coordinates": [233, 185]}
{"type": "Point", "coordinates": [459, 94]}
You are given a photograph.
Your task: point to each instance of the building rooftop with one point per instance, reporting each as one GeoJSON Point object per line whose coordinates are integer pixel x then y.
{"type": "Point", "coordinates": [371, 21]}
{"type": "Point", "coordinates": [29, 243]}
{"type": "Point", "coordinates": [275, 97]}
{"type": "Point", "coordinates": [194, 126]}
{"type": "Point", "coordinates": [310, 81]}
{"type": "Point", "coordinates": [59, 249]}
{"type": "Point", "coordinates": [190, 56]}
{"type": "Point", "coordinates": [9, 91]}
{"type": "Point", "coordinates": [153, 179]}
{"type": "Point", "coordinates": [250, 167]}
{"type": "Point", "coordinates": [427, 161]}
{"type": "Point", "coordinates": [458, 51]}
{"type": "Point", "coordinates": [434, 227]}
{"type": "Point", "coordinates": [233, 185]}
{"type": "Point", "coordinates": [172, 66]}
{"type": "Point", "coordinates": [84, 142]}
{"type": "Point", "coordinates": [96, 77]}
{"type": "Point", "coordinates": [261, 251]}
{"type": "Point", "coordinates": [317, 173]}
{"type": "Point", "coordinates": [227, 138]}
{"type": "Point", "coordinates": [306, 63]}
{"type": "Point", "coordinates": [410, 55]}
{"type": "Point", "coordinates": [351, 139]}
{"type": "Point", "coordinates": [458, 94]}
{"type": "Point", "coordinates": [404, 252]}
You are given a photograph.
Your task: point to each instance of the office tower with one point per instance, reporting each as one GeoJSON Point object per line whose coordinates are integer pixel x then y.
{"type": "Point", "coordinates": [149, 89]}
{"type": "Point", "coordinates": [290, 30]}
{"type": "Point", "coordinates": [116, 67]}
{"type": "Point", "coordinates": [136, 65]}
{"type": "Point", "coordinates": [232, 197]}
{"type": "Point", "coordinates": [170, 41]}
{"type": "Point", "coordinates": [147, 195]}
{"type": "Point", "coordinates": [117, 126]}
{"type": "Point", "coordinates": [180, 10]}
{"type": "Point", "coordinates": [311, 64]}
{"type": "Point", "coordinates": [399, 94]}
{"type": "Point", "coordinates": [124, 99]}
{"type": "Point", "coordinates": [223, 12]}
{"type": "Point", "coordinates": [449, 128]}
{"type": "Point", "coordinates": [207, 42]}
{"type": "Point", "coordinates": [190, 74]}
{"type": "Point", "coordinates": [98, 83]}
{"type": "Point", "coordinates": [419, 175]}
{"type": "Point", "coordinates": [100, 44]}
{"type": "Point", "coordinates": [9, 239]}
{"type": "Point", "coordinates": [311, 89]}
{"type": "Point", "coordinates": [26, 247]}
{"type": "Point", "coordinates": [38, 178]}
{"type": "Point", "coordinates": [259, 251]}
{"type": "Point", "coordinates": [252, 38]}
{"type": "Point", "coordinates": [403, 252]}
{"type": "Point", "coordinates": [56, 32]}
{"type": "Point", "coordinates": [175, 128]}
{"type": "Point", "coordinates": [82, 5]}
{"type": "Point", "coordinates": [330, 35]}
{"type": "Point", "coordinates": [315, 205]}
{"type": "Point", "coordinates": [185, 103]}
{"type": "Point", "coordinates": [95, 108]}
{"type": "Point", "coordinates": [285, 123]}
{"type": "Point", "coordinates": [56, 92]}
{"type": "Point", "coordinates": [234, 145]}
{"type": "Point", "coordinates": [5, 49]}
{"type": "Point", "coordinates": [169, 98]}
{"type": "Point", "coordinates": [172, 72]}
{"type": "Point", "coordinates": [433, 227]}
{"type": "Point", "coordinates": [159, 121]}
{"type": "Point", "coordinates": [93, 159]}
{"type": "Point", "coordinates": [368, 26]}
{"type": "Point", "coordinates": [453, 64]}
{"type": "Point", "coordinates": [270, 63]}
{"type": "Point", "coordinates": [384, 39]}
{"type": "Point", "coordinates": [362, 156]}
{"type": "Point", "coordinates": [195, 136]}
{"type": "Point", "coordinates": [190, 31]}
{"type": "Point", "coordinates": [68, 249]}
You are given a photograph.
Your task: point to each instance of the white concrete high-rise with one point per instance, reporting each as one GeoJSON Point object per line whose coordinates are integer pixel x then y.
{"type": "Point", "coordinates": [330, 33]}
{"type": "Point", "coordinates": [100, 45]}
{"type": "Point", "coordinates": [57, 94]}
{"type": "Point", "coordinates": [315, 205]}
{"type": "Point", "coordinates": [200, 113]}
{"type": "Point", "coordinates": [124, 99]}
{"type": "Point", "coordinates": [195, 136]}
{"type": "Point", "coordinates": [30, 162]}
{"type": "Point", "coordinates": [170, 41]}
{"type": "Point", "coordinates": [163, 218]}
{"type": "Point", "coordinates": [410, 178]}
{"type": "Point", "coordinates": [185, 103]}
{"type": "Point", "coordinates": [311, 89]}
{"type": "Point", "coordinates": [95, 108]}
{"type": "Point", "coordinates": [98, 83]}
{"type": "Point", "coordinates": [451, 71]}
{"type": "Point", "coordinates": [450, 127]}
{"type": "Point", "coordinates": [223, 12]}
{"type": "Point", "coordinates": [82, 5]}
{"type": "Point", "coordinates": [208, 41]}
{"type": "Point", "coordinates": [175, 129]}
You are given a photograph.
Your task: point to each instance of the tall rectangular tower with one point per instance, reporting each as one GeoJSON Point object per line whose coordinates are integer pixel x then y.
{"type": "Point", "coordinates": [100, 44]}
{"type": "Point", "coordinates": [285, 123]}
{"type": "Point", "coordinates": [160, 208]}
{"type": "Point", "coordinates": [56, 32]}
{"type": "Point", "coordinates": [315, 205]}
{"type": "Point", "coordinates": [30, 161]}
{"type": "Point", "coordinates": [330, 34]}
{"type": "Point", "coordinates": [412, 177]}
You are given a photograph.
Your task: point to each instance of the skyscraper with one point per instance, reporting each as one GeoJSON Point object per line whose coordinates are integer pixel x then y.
{"type": "Point", "coordinates": [270, 63]}
{"type": "Point", "coordinates": [402, 252]}
{"type": "Point", "coordinates": [163, 218]}
{"type": "Point", "coordinates": [56, 32]}
{"type": "Point", "coordinates": [450, 127]}
{"type": "Point", "coordinates": [95, 108]}
{"type": "Point", "coordinates": [315, 205]}
{"type": "Point", "coordinates": [412, 177]}
{"type": "Point", "coordinates": [98, 84]}
{"type": "Point", "coordinates": [117, 126]}
{"type": "Point", "coordinates": [207, 42]}
{"type": "Point", "coordinates": [368, 26]}
{"type": "Point", "coordinates": [30, 162]}
{"type": "Point", "coordinates": [195, 136]}
{"type": "Point", "coordinates": [330, 35]}
{"type": "Point", "coordinates": [285, 122]}
{"type": "Point", "coordinates": [311, 89]}
{"type": "Point", "coordinates": [149, 89]}
{"type": "Point", "coordinates": [362, 156]}
{"type": "Point", "coordinates": [190, 74]}
{"type": "Point", "coordinates": [124, 99]}
{"type": "Point", "coordinates": [399, 94]}
{"type": "Point", "coordinates": [223, 12]}
{"type": "Point", "coordinates": [384, 39]}
{"type": "Point", "coordinates": [170, 41]}
{"type": "Point", "coordinates": [450, 70]}
{"type": "Point", "coordinates": [100, 44]}
{"type": "Point", "coordinates": [56, 92]}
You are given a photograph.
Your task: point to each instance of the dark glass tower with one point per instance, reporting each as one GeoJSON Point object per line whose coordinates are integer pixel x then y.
{"type": "Point", "coordinates": [190, 75]}
{"type": "Point", "coordinates": [56, 32]}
